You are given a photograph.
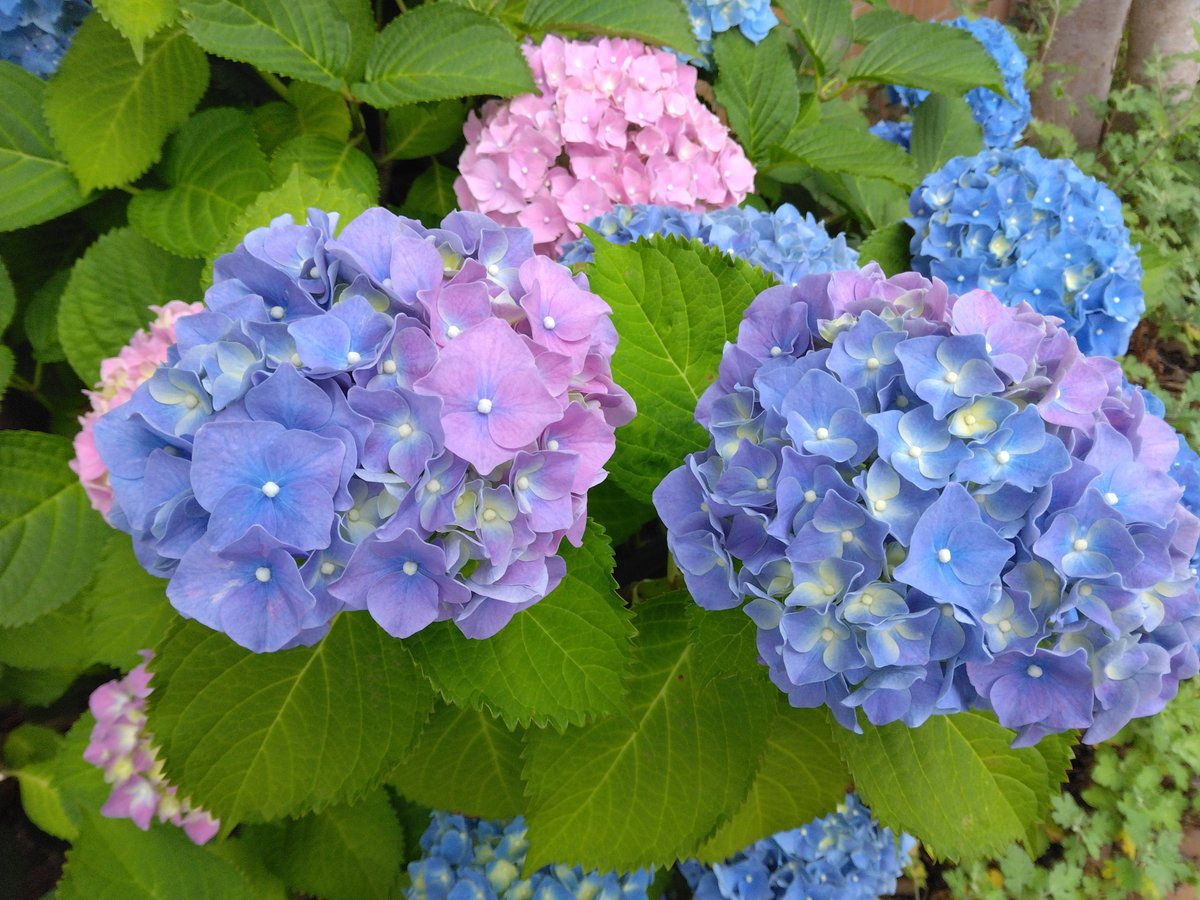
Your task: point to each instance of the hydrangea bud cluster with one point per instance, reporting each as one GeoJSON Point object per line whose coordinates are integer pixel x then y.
{"type": "Point", "coordinates": [399, 419]}
{"type": "Point", "coordinates": [119, 376]}
{"type": "Point", "coordinates": [937, 502]}
{"type": "Point", "coordinates": [1036, 230]}
{"type": "Point", "coordinates": [481, 859]}
{"type": "Point", "coordinates": [122, 747]}
{"type": "Point", "coordinates": [1003, 119]}
{"type": "Point", "coordinates": [35, 34]}
{"type": "Point", "coordinates": [616, 122]}
{"type": "Point", "coordinates": [785, 243]}
{"type": "Point", "coordinates": [847, 855]}
{"type": "Point", "coordinates": [754, 18]}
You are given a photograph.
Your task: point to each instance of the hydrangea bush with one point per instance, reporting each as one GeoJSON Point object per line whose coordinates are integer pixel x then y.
{"type": "Point", "coordinates": [398, 419]}
{"type": "Point", "coordinates": [1033, 230]}
{"type": "Point", "coordinates": [937, 503]}
{"type": "Point", "coordinates": [35, 34]}
{"type": "Point", "coordinates": [616, 122]}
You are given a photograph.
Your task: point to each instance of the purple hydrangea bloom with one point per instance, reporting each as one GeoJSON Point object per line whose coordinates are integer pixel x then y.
{"type": "Point", "coordinates": [35, 34]}
{"type": "Point", "coordinates": [399, 419]}
{"type": "Point", "coordinates": [935, 502]}
{"type": "Point", "coordinates": [1036, 230]}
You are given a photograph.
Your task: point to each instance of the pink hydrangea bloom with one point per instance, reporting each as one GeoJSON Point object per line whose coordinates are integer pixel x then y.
{"type": "Point", "coordinates": [121, 746]}
{"type": "Point", "coordinates": [617, 122]}
{"type": "Point", "coordinates": [119, 376]}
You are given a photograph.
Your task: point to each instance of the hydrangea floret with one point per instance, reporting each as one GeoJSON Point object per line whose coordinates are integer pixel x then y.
{"type": "Point", "coordinates": [35, 34]}
{"type": "Point", "coordinates": [616, 122]}
{"type": "Point", "coordinates": [1003, 119]}
{"type": "Point", "coordinates": [1036, 230]}
{"type": "Point", "coordinates": [753, 18]}
{"type": "Point", "coordinates": [784, 242]}
{"type": "Point", "coordinates": [934, 503]}
{"type": "Point", "coordinates": [122, 747]}
{"type": "Point", "coordinates": [898, 133]}
{"type": "Point", "coordinates": [119, 377]}
{"type": "Point", "coordinates": [399, 419]}
{"type": "Point", "coordinates": [846, 855]}
{"type": "Point", "coordinates": [474, 859]}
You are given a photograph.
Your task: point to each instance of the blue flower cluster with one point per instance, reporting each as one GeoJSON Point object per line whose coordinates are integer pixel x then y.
{"type": "Point", "coordinates": [754, 18]}
{"type": "Point", "coordinates": [1036, 230]}
{"type": "Point", "coordinates": [898, 133]}
{"type": "Point", "coordinates": [35, 34]}
{"type": "Point", "coordinates": [473, 859]}
{"type": "Point", "coordinates": [785, 243]}
{"type": "Point", "coordinates": [846, 855]}
{"type": "Point", "coordinates": [399, 419]}
{"type": "Point", "coordinates": [1003, 120]}
{"type": "Point", "coordinates": [935, 503]}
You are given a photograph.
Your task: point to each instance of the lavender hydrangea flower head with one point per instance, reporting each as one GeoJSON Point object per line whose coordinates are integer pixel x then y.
{"type": "Point", "coordinates": [35, 34]}
{"type": "Point", "coordinates": [1036, 230]}
{"type": "Point", "coordinates": [121, 746]}
{"type": "Point", "coordinates": [846, 855]}
{"type": "Point", "coordinates": [478, 858]}
{"type": "Point", "coordinates": [1003, 119]}
{"type": "Point", "coordinates": [935, 502]}
{"type": "Point", "coordinates": [399, 419]}
{"type": "Point", "coordinates": [784, 242]}
{"type": "Point", "coordinates": [754, 18]}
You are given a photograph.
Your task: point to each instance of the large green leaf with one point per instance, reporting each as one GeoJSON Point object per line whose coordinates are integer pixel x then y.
{"type": "Point", "coordinates": [441, 51]}
{"type": "Point", "coordinates": [35, 183]}
{"type": "Point", "coordinates": [127, 607]}
{"type": "Point", "coordinates": [431, 196]}
{"type": "Point", "coordinates": [757, 86]}
{"type": "Point", "coordinates": [561, 661]}
{"type": "Point", "coordinates": [826, 28]}
{"type": "Point", "coordinates": [309, 109]}
{"type": "Point", "coordinates": [309, 40]}
{"type": "Point", "coordinates": [50, 537]}
{"type": "Point", "coordinates": [670, 344]}
{"type": "Point", "coordinates": [29, 752]}
{"type": "Point", "coordinates": [649, 786]}
{"type": "Point", "coordinates": [138, 20]}
{"type": "Point", "coordinates": [110, 114]}
{"type": "Point", "coordinates": [887, 246]}
{"type": "Point", "coordinates": [215, 169]}
{"type": "Point", "coordinates": [255, 736]}
{"type": "Point", "coordinates": [955, 782]}
{"type": "Point", "coordinates": [59, 639]}
{"type": "Point", "coordinates": [836, 148]}
{"type": "Point", "coordinates": [340, 853]}
{"type": "Point", "coordinates": [466, 760]}
{"type": "Point", "coordinates": [802, 777]}
{"type": "Point", "coordinates": [653, 21]}
{"type": "Point", "coordinates": [335, 163]}
{"type": "Point", "coordinates": [423, 129]}
{"type": "Point", "coordinates": [109, 294]}
{"type": "Point", "coordinates": [943, 127]}
{"type": "Point", "coordinates": [928, 55]}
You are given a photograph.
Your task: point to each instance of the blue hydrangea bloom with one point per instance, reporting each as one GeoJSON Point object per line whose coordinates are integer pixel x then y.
{"type": "Point", "coordinates": [1036, 230]}
{"type": "Point", "coordinates": [785, 243]}
{"type": "Point", "coordinates": [935, 502]}
{"type": "Point", "coordinates": [754, 18]}
{"type": "Point", "coordinates": [35, 34]}
{"type": "Point", "coordinates": [1003, 120]}
{"type": "Point", "coordinates": [477, 858]}
{"type": "Point", "coordinates": [847, 855]}
{"type": "Point", "coordinates": [898, 133]}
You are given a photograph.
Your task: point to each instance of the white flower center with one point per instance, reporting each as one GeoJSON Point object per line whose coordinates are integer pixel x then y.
{"type": "Point", "coordinates": [847, 536]}
{"type": "Point", "coordinates": [1111, 499]}
{"type": "Point", "coordinates": [270, 489]}
{"type": "Point", "coordinates": [410, 568]}
{"type": "Point", "coordinates": [353, 357]}
{"type": "Point", "coordinates": [493, 269]}
{"type": "Point", "coordinates": [872, 364]}
{"type": "Point", "coordinates": [191, 401]}
{"type": "Point", "coordinates": [552, 444]}
{"type": "Point", "coordinates": [489, 515]}
{"type": "Point", "coordinates": [404, 430]}
{"type": "Point", "coordinates": [951, 377]}
{"type": "Point", "coordinates": [263, 574]}
{"type": "Point", "coordinates": [776, 351]}
{"type": "Point", "coordinates": [484, 405]}
{"type": "Point", "coordinates": [1034, 671]}
{"type": "Point", "coordinates": [277, 312]}
{"type": "Point", "coordinates": [762, 484]}
{"type": "Point", "coordinates": [944, 555]}
{"type": "Point", "coordinates": [354, 515]}
{"type": "Point", "coordinates": [822, 434]}
{"type": "Point", "coordinates": [548, 323]}
{"type": "Point", "coordinates": [523, 483]}
{"type": "Point", "coordinates": [810, 495]}
{"type": "Point", "coordinates": [1005, 626]}
{"type": "Point", "coordinates": [433, 486]}
{"type": "Point", "coordinates": [453, 331]}
{"type": "Point", "coordinates": [1085, 590]}
{"type": "Point", "coordinates": [1003, 457]}
{"type": "Point", "coordinates": [1080, 545]}
{"type": "Point", "coordinates": [914, 452]}
{"type": "Point", "coordinates": [880, 505]}
{"type": "Point", "coordinates": [328, 568]}
{"type": "Point", "coordinates": [389, 367]}
{"type": "Point", "coordinates": [827, 634]}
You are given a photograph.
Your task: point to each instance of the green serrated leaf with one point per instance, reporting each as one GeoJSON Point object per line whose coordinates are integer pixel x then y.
{"type": "Point", "coordinates": [887, 246]}
{"type": "Point", "coordinates": [110, 114]}
{"type": "Point", "coordinates": [465, 760]}
{"type": "Point", "coordinates": [215, 169]}
{"type": "Point", "coordinates": [877, 22]}
{"type": "Point", "coordinates": [826, 28]}
{"type": "Point", "coordinates": [59, 639]}
{"type": "Point", "coordinates": [50, 537]}
{"type": "Point", "coordinates": [431, 197]}
{"type": "Point", "coordinates": [648, 787]}
{"type": "Point", "coordinates": [42, 802]}
{"type": "Point", "coordinates": [109, 294]}
{"type": "Point", "coordinates": [954, 782]}
{"type": "Point", "coordinates": [943, 127]}
{"type": "Point", "coordinates": [310, 40]}
{"type": "Point", "coordinates": [8, 297]}
{"type": "Point", "coordinates": [35, 184]}
{"type": "Point", "coordinates": [561, 661]}
{"type": "Point", "coordinates": [802, 777]}
{"type": "Point", "coordinates": [41, 318]}
{"type": "Point", "coordinates": [35, 687]}
{"type": "Point", "coordinates": [440, 51]}
{"type": "Point", "coordinates": [310, 110]}
{"type": "Point", "coordinates": [138, 20]}
{"type": "Point", "coordinates": [29, 743]}
{"type": "Point", "coordinates": [335, 163]}
{"type": "Point", "coordinates": [127, 606]}
{"type": "Point", "coordinates": [928, 55]}
{"type": "Point", "coordinates": [8, 364]}
{"type": "Point", "coordinates": [340, 853]}
{"type": "Point", "coordinates": [423, 129]}
{"type": "Point", "coordinates": [757, 86]}
{"type": "Point", "coordinates": [112, 860]}
{"type": "Point", "coordinates": [254, 736]}
{"type": "Point", "coordinates": [669, 347]}
{"type": "Point", "coordinates": [835, 148]}
{"type": "Point", "coordinates": [653, 21]}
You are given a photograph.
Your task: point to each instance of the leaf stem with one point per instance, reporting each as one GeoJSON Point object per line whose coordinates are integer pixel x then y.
{"type": "Point", "coordinates": [274, 83]}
